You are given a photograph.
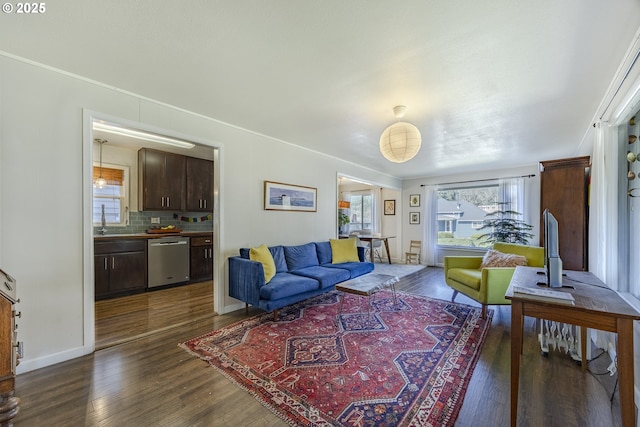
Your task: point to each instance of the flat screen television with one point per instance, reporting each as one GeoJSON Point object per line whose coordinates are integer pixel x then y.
{"type": "Point", "coordinates": [552, 261]}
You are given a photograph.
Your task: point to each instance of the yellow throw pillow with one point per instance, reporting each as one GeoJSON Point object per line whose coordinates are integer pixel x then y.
{"type": "Point", "coordinates": [343, 250]}
{"type": "Point", "coordinates": [262, 255]}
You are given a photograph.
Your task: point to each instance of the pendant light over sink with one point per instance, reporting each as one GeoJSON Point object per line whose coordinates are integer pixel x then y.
{"type": "Point", "coordinates": [401, 141]}
{"type": "Point", "coordinates": [100, 182]}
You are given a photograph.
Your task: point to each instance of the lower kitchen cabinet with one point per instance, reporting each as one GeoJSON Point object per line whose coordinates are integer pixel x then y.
{"type": "Point", "coordinates": [201, 260]}
{"type": "Point", "coordinates": [120, 267]}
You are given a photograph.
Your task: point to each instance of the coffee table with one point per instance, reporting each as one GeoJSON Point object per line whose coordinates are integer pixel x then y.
{"type": "Point", "coordinates": [368, 285]}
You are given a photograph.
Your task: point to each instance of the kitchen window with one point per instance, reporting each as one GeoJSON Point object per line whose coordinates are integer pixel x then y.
{"type": "Point", "coordinates": [114, 196]}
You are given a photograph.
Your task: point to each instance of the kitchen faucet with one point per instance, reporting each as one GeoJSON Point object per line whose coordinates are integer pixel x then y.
{"type": "Point", "coordinates": [103, 229]}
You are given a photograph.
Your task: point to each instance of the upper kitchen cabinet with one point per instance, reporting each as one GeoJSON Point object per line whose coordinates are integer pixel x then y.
{"type": "Point", "coordinates": [161, 180]}
{"type": "Point", "coordinates": [199, 185]}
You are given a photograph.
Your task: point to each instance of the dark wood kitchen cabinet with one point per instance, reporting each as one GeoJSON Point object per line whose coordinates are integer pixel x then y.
{"type": "Point", "coordinates": [564, 191]}
{"type": "Point", "coordinates": [201, 259]}
{"type": "Point", "coordinates": [199, 185]}
{"type": "Point", "coordinates": [161, 180]}
{"type": "Point", "coordinates": [120, 267]}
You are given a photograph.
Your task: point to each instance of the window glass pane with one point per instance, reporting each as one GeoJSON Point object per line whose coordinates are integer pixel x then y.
{"type": "Point", "coordinates": [461, 213]}
{"type": "Point", "coordinates": [112, 196]}
{"type": "Point", "coordinates": [361, 212]}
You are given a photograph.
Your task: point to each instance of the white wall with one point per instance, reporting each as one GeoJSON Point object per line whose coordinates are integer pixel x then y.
{"type": "Point", "coordinates": [43, 242]}
{"type": "Point", "coordinates": [413, 186]}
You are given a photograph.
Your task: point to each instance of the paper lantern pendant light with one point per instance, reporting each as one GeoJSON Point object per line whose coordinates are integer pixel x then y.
{"type": "Point", "coordinates": [401, 141]}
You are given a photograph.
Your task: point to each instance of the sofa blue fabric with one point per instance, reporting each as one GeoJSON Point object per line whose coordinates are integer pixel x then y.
{"type": "Point", "coordinates": [302, 271]}
{"type": "Point", "coordinates": [324, 252]}
{"type": "Point", "coordinates": [285, 285]}
{"type": "Point", "coordinates": [327, 277]}
{"type": "Point", "coordinates": [301, 256]}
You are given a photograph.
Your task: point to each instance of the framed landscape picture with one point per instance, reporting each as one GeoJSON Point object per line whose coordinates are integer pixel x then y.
{"type": "Point", "coordinates": [389, 207]}
{"type": "Point", "coordinates": [414, 217]}
{"type": "Point", "coordinates": [289, 197]}
{"type": "Point", "coordinates": [414, 200]}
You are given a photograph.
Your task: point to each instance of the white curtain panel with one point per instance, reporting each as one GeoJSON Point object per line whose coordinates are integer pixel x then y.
{"type": "Point", "coordinates": [511, 191]}
{"type": "Point", "coordinates": [430, 236]}
{"type": "Point", "coordinates": [376, 204]}
{"type": "Point", "coordinates": [603, 207]}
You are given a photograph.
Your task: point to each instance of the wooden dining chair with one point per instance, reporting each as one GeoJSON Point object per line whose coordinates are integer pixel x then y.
{"type": "Point", "coordinates": [415, 250]}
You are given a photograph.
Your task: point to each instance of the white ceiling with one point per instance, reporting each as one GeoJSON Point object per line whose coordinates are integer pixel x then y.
{"type": "Point", "coordinates": [485, 81]}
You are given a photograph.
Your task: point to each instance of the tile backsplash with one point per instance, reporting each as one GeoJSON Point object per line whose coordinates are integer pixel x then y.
{"type": "Point", "coordinates": [139, 222]}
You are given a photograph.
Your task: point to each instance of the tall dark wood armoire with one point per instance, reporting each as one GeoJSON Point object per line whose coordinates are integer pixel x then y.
{"type": "Point", "coordinates": [564, 190]}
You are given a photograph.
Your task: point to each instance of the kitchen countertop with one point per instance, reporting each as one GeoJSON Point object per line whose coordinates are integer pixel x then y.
{"type": "Point", "coordinates": [151, 236]}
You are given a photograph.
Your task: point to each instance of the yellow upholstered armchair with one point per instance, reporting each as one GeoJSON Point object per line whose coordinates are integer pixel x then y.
{"type": "Point", "coordinates": [487, 285]}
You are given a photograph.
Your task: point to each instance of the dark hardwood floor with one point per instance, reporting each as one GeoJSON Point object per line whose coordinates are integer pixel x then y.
{"type": "Point", "coordinates": [152, 382]}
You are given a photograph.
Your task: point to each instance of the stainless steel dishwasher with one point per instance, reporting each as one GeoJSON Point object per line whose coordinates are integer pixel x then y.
{"type": "Point", "coordinates": [168, 260]}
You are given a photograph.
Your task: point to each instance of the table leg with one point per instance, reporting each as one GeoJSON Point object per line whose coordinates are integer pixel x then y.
{"type": "Point", "coordinates": [583, 347]}
{"type": "Point", "coordinates": [516, 350]}
{"type": "Point", "coordinates": [625, 371]}
{"type": "Point", "coordinates": [386, 246]}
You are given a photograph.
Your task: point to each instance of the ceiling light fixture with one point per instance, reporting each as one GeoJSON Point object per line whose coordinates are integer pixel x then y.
{"type": "Point", "coordinates": [145, 136]}
{"type": "Point", "coordinates": [401, 141]}
{"type": "Point", "coordinates": [100, 182]}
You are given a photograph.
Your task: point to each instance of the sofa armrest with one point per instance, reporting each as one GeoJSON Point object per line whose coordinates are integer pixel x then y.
{"type": "Point", "coordinates": [246, 277]}
{"type": "Point", "coordinates": [471, 262]}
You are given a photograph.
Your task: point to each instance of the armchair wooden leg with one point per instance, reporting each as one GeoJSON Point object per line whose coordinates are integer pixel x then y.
{"type": "Point", "coordinates": [453, 297]}
{"type": "Point", "coordinates": [484, 311]}
{"type": "Point", "coordinates": [275, 315]}
{"type": "Point", "coordinates": [246, 308]}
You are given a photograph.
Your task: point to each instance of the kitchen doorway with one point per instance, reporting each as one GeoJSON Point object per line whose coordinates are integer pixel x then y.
{"type": "Point", "coordinates": [128, 317]}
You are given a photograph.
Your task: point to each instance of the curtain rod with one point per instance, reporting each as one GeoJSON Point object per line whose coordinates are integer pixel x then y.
{"type": "Point", "coordinates": [481, 180]}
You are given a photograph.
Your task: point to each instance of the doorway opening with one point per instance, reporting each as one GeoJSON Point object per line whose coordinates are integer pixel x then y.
{"type": "Point", "coordinates": [119, 303]}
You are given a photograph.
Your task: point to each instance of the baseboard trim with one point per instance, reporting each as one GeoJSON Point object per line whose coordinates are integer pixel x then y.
{"type": "Point", "coordinates": [27, 365]}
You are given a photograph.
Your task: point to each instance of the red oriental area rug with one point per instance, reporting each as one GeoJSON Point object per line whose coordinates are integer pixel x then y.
{"type": "Point", "coordinates": [404, 364]}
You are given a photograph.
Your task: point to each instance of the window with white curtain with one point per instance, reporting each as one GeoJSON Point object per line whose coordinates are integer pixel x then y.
{"type": "Point", "coordinates": [461, 211]}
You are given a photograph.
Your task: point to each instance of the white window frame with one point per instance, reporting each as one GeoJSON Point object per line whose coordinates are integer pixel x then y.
{"type": "Point", "coordinates": [125, 198]}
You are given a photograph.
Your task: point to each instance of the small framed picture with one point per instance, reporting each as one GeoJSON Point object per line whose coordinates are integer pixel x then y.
{"type": "Point", "coordinates": [414, 200]}
{"type": "Point", "coordinates": [389, 207]}
{"type": "Point", "coordinates": [414, 217]}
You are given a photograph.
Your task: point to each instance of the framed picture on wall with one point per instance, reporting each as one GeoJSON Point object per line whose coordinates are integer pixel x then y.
{"type": "Point", "coordinates": [414, 200]}
{"type": "Point", "coordinates": [414, 217]}
{"type": "Point", "coordinates": [389, 207]}
{"type": "Point", "coordinates": [288, 197]}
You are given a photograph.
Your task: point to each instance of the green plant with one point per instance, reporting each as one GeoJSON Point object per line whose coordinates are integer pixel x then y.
{"type": "Point", "coordinates": [343, 219]}
{"type": "Point", "coordinates": [506, 227]}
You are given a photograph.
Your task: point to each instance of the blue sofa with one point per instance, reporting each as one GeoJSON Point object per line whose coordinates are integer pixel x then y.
{"type": "Point", "coordinates": [301, 272]}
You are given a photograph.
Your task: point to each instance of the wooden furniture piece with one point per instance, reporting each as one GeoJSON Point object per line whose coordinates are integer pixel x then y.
{"type": "Point", "coordinates": [564, 191]}
{"type": "Point", "coordinates": [596, 306]}
{"type": "Point", "coordinates": [199, 182]}
{"type": "Point", "coordinates": [161, 180]}
{"type": "Point", "coordinates": [370, 238]}
{"type": "Point", "coordinates": [201, 258]}
{"type": "Point", "coordinates": [415, 250]}
{"type": "Point", "coordinates": [120, 267]}
{"type": "Point", "coordinates": [9, 347]}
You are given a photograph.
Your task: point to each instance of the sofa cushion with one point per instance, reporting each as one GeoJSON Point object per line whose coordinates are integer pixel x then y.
{"type": "Point", "coordinates": [324, 252]}
{"type": "Point", "coordinates": [326, 276]}
{"type": "Point", "coordinates": [301, 256]}
{"type": "Point", "coordinates": [495, 258]}
{"type": "Point", "coordinates": [343, 250]}
{"type": "Point", "coordinates": [286, 284]}
{"type": "Point", "coordinates": [278, 258]}
{"type": "Point", "coordinates": [467, 276]}
{"type": "Point", "coordinates": [262, 255]}
{"type": "Point", "coordinates": [355, 268]}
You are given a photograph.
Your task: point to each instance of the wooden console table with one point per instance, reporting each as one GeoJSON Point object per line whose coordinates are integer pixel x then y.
{"type": "Point", "coordinates": [596, 306]}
